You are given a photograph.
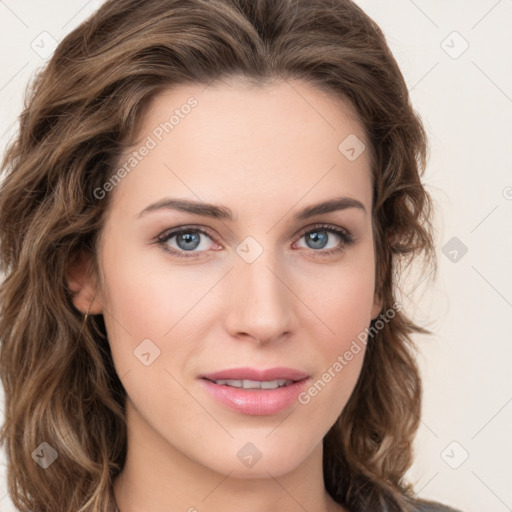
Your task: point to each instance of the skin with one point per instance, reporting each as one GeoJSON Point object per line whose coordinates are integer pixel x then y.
{"type": "Point", "coordinates": [265, 152]}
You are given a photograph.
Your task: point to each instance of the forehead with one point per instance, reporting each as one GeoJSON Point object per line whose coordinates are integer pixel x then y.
{"type": "Point", "coordinates": [235, 141]}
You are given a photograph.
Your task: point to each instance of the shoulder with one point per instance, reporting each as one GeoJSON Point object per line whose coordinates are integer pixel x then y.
{"type": "Point", "coordinates": [432, 506]}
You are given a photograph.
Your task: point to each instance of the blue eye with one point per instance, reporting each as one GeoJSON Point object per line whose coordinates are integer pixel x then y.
{"type": "Point", "coordinates": [188, 239]}
{"type": "Point", "coordinates": [318, 238]}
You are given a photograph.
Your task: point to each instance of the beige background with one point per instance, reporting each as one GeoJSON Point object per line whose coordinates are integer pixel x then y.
{"type": "Point", "coordinates": [455, 55]}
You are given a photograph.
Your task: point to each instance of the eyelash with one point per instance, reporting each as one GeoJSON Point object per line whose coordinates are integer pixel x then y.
{"type": "Point", "coordinates": [346, 239]}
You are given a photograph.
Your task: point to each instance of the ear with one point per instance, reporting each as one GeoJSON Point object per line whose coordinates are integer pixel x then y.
{"type": "Point", "coordinates": [377, 306]}
{"type": "Point", "coordinates": [83, 285]}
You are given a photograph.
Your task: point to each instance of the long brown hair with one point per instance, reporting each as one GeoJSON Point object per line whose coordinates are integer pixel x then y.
{"type": "Point", "coordinates": [81, 111]}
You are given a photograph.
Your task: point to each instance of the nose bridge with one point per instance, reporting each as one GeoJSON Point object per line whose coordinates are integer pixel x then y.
{"type": "Point", "coordinates": [260, 301]}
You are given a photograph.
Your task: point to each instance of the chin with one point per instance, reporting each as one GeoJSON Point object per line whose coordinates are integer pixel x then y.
{"type": "Point", "coordinates": [254, 460]}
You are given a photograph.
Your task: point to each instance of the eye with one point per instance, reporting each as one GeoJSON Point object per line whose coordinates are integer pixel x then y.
{"type": "Point", "coordinates": [317, 239]}
{"type": "Point", "coordinates": [188, 239]}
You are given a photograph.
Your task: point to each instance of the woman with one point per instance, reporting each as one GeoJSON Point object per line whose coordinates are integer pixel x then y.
{"type": "Point", "coordinates": [203, 220]}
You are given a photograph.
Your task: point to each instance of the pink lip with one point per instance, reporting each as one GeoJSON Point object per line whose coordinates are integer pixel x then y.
{"type": "Point", "coordinates": [259, 402]}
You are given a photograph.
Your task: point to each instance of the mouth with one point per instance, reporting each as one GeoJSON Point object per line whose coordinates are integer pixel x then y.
{"type": "Point", "coordinates": [255, 392]}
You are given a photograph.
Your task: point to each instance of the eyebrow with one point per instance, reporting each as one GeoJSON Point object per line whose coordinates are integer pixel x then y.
{"type": "Point", "coordinates": [224, 213]}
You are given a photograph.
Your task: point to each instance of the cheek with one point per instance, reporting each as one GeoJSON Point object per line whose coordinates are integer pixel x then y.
{"type": "Point", "coordinates": [148, 299]}
{"type": "Point", "coordinates": [339, 354]}
{"type": "Point", "coordinates": [349, 301]}
{"type": "Point", "coordinates": [343, 305]}
{"type": "Point", "coordinates": [342, 299]}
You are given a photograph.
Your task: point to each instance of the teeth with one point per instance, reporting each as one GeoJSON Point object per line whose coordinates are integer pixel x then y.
{"type": "Point", "coordinates": [251, 384]}
{"type": "Point", "coordinates": [254, 384]}
{"type": "Point", "coordinates": [273, 384]}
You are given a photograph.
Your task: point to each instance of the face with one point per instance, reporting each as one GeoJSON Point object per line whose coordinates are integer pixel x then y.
{"type": "Point", "coordinates": [255, 291]}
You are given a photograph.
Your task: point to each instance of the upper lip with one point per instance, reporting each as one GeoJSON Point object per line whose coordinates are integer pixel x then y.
{"type": "Point", "coordinates": [268, 374]}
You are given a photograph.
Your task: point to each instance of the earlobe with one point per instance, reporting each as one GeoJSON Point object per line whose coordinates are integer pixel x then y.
{"type": "Point", "coordinates": [83, 286]}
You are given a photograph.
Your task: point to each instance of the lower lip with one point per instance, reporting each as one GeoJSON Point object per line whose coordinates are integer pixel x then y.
{"type": "Point", "coordinates": [259, 402]}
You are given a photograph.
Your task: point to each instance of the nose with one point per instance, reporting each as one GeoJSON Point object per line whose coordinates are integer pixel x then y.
{"type": "Point", "coordinates": [260, 303]}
